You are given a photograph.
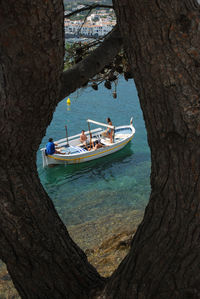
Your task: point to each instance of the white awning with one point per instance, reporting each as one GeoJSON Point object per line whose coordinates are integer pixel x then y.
{"type": "Point", "coordinates": [100, 124]}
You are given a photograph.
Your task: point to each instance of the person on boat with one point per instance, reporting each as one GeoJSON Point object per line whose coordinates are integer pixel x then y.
{"type": "Point", "coordinates": [83, 137]}
{"type": "Point", "coordinates": [84, 140]}
{"type": "Point", "coordinates": [109, 132]}
{"type": "Point", "coordinates": [96, 145]}
{"type": "Point", "coordinates": [52, 148]}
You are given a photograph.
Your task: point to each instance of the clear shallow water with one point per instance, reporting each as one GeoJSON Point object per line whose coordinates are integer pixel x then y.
{"type": "Point", "coordinates": [109, 185]}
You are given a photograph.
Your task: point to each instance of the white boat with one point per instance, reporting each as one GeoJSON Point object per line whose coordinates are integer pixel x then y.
{"type": "Point", "coordinates": [73, 151]}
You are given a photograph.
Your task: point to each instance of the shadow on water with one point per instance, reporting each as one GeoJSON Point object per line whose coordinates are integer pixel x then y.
{"type": "Point", "coordinates": [75, 171]}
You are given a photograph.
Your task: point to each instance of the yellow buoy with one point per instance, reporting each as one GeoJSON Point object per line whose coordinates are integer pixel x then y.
{"type": "Point", "coordinates": [68, 101]}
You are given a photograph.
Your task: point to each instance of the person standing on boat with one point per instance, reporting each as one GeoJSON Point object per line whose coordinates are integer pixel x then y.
{"type": "Point", "coordinates": [51, 148]}
{"type": "Point", "coordinates": [109, 132]}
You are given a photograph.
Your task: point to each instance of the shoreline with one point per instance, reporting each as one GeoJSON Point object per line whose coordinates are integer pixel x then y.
{"type": "Point", "coordinates": [107, 240]}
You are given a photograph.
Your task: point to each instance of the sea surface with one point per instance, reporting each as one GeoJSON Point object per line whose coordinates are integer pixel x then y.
{"type": "Point", "coordinates": [115, 184]}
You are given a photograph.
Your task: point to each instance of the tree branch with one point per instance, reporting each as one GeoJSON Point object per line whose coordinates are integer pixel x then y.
{"type": "Point", "coordinates": [87, 7]}
{"type": "Point", "coordinates": [80, 73]}
{"type": "Point", "coordinates": [84, 21]}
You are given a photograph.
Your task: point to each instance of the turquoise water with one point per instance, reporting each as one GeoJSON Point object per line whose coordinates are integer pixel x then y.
{"type": "Point", "coordinates": [109, 185]}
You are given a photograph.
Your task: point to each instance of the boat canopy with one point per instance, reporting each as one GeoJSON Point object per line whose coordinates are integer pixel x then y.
{"type": "Point", "coordinates": [100, 124]}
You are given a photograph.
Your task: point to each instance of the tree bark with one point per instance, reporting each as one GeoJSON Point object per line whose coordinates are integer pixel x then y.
{"type": "Point", "coordinates": [41, 258]}
{"type": "Point", "coordinates": [162, 42]}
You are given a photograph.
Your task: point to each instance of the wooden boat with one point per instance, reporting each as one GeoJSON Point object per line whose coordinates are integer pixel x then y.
{"type": "Point", "coordinates": [73, 151]}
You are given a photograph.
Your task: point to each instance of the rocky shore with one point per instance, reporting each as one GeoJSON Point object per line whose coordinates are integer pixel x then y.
{"type": "Point", "coordinates": [105, 241]}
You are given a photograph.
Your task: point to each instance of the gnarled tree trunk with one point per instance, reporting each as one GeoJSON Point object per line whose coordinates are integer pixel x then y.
{"type": "Point", "coordinates": [41, 258]}
{"type": "Point", "coordinates": [162, 42]}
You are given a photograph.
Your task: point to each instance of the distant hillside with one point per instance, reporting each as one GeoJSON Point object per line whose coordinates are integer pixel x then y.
{"type": "Point", "coordinates": [108, 2]}
{"type": "Point", "coordinates": [72, 4]}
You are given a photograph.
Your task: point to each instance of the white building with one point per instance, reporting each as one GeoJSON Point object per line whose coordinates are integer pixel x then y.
{"type": "Point", "coordinates": [88, 29]}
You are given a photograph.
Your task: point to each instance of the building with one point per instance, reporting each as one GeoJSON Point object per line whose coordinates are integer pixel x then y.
{"type": "Point", "coordinates": [92, 29]}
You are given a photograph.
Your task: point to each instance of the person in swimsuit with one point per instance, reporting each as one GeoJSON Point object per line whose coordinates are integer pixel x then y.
{"type": "Point", "coordinates": [83, 137]}
{"type": "Point", "coordinates": [96, 145]}
{"type": "Point", "coordinates": [109, 131]}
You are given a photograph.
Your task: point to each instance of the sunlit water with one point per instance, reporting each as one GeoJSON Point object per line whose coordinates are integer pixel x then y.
{"type": "Point", "coordinates": [109, 185]}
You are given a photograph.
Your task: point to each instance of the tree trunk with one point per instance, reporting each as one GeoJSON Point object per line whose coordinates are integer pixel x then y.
{"type": "Point", "coordinates": [42, 259]}
{"type": "Point", "coordinates": [162, 42]}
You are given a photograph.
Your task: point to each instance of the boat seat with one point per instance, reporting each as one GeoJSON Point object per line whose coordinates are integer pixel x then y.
{"type": "Point", "coordinates": [80, 149]}
{"type": "Point", "coordinates": [73, 150]}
